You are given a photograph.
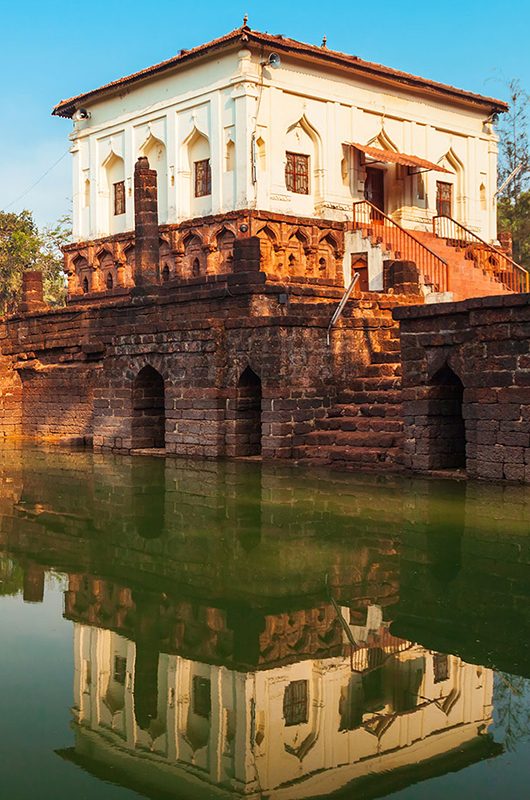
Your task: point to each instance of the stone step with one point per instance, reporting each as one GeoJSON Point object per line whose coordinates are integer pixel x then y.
{"type": "Point", "coordinates": [357, 397]}
{"type": "Point", "coordinates": [339, 438]}
{"type": "Point", "coordinates": [386, 358]}
{"type": "Point", "coordinates": [363, 457]}
{"type": "Point", "coordinates": [361, 423]}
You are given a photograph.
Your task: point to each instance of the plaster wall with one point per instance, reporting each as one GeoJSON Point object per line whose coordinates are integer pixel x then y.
{"type": "Point", "coordinates": [249, 115]}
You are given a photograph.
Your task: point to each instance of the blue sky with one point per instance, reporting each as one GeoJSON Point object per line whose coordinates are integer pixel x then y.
{"type": "Point", "coordinates": [53, 50]}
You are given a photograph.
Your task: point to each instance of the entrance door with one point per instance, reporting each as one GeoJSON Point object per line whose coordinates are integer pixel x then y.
{"type": "Point", "coordinates": [444, 199]}
{"type": "Point", "coordinates": [374, 187]}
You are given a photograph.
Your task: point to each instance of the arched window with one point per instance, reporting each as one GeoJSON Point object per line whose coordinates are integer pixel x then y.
{"type": "Point", "coordinates": [165, 273]}
{"type": "Point", "coordinates": [110, 281]}
{"type": "Point", "coordinates": [85, 285]}
{"type": "Point", "coordinates": [114, 192]}
{"type": "Point", "coordinates": [302, 159]}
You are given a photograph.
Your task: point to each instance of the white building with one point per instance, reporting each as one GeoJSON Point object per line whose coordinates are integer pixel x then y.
{"type": "Point", "coordinates": [227, 130]}
{"type": "Point", "coordinates": [297, 730]}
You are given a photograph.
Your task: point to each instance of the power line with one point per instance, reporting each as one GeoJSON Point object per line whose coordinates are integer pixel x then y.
{"type": "Point", "coordinates": [44, 174]}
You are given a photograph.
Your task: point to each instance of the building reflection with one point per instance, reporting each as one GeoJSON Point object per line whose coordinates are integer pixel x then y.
{"type": "Point", "coordinates": [239, 628]}
{"type": "Point", "coordinates": [328, 700]}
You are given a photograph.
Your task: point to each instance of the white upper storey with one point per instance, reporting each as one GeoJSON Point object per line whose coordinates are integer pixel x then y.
{"type": "Point", "coordinates": [226, 106]}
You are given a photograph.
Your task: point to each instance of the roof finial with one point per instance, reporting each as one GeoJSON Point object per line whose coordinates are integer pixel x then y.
{"type": "Point", "coordinates": [245, 20]}
{"type": "Point", "coordinates": [324, 41]}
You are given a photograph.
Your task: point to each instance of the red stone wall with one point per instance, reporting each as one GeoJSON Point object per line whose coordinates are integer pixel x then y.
{"type": "Point", "coordinates": [486, 344]}
{"type": "Point", "coordinates": [292, 249]}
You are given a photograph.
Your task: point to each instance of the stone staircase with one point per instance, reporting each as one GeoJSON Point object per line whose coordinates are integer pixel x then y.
{"type": "Point", "coordinates": [363, 429]}
{"type": "Point", "coordinates": [466, 278]}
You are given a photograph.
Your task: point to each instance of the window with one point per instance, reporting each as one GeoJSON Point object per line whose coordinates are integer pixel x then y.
{"type": "Point", "coordinates": [165, 273]}
{"type": "Point", "coordinates": [120, 669]}
{"type": "Point", "coordinates": [295, 703]}
{"type": "Point", "coordinates": [203, 178]}
{"type": "Point", "coordinates": [297, 173]}
{"type": "Point", "coordinates": [85, 285]}
{"type": "Point", "coordinates": [440, 664]}
{"type": "Point", "coordinates": [201, 696]}
{"type": "Point", "coordinates": [444, 199]}
{"type": "Point", "coordinates": [119, 198]}
{"type": "Point", "coordinates": [110, 281]}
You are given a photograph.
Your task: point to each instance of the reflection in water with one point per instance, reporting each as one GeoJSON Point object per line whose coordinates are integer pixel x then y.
{"type": "Point", "coordinates": [250, 631]}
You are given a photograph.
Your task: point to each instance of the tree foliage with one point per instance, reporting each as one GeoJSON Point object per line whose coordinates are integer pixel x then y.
{"type": "Point", "coordinates": [513, 208]}
{"type": "Point", "coordinates": [23, 246]}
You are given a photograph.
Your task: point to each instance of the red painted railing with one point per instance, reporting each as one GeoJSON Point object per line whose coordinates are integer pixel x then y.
{"type": "Point", "coordinates": [402, 243]}
{"type": "Point", "coordinates": [484, 256]}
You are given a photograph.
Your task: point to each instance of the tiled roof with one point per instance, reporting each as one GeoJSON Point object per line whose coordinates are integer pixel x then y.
{"type": "Point", "coordinates": [246, 36]}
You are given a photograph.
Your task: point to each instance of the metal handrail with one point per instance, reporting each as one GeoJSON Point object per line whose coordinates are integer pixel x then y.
{"type": "Point", "coordinates": [340, 308]}
{"type": "Point", "coordinates": [444, 226]}
{"type": "Point", "coordinates": [432, 266]}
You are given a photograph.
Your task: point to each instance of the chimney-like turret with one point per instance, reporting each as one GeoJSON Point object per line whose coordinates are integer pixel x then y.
{"type": "Point", "coordinates": [146, 251]}
{"type": "Point", "coordinates": [32, 292]}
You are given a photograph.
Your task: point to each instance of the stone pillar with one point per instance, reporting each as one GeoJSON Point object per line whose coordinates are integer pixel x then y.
{"type": "Point", "coordinates": [247, 254]}
{"type": "Point", "coordinates": [147, 269]}
{"type": "Point", "coordinates": [33, 583]}
{"type": "Point", "coordinates": [32, 292]}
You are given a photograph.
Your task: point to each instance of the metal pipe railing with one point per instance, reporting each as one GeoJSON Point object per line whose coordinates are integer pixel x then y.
{"type": "Point", "coordinates": [340, 308]}
{"type": "Point", "coordinates": [432, 267]}
{"type": "Point", "coordinates": [485, 256]}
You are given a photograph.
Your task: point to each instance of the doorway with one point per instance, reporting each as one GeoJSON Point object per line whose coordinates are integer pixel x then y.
{"type": "Point", "coordinates": [149, 418]}
{"type": "Point", "coordinates": [374, 187]}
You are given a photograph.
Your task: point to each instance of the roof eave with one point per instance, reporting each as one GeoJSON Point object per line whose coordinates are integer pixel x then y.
{"type": "Point", "coordinates": [366, 69]}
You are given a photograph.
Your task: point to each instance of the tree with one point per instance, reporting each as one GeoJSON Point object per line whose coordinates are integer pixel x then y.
{"type": "Point", "coordinates": [22, 247]}
{"type": "Point", "coordinates": [514, 153]}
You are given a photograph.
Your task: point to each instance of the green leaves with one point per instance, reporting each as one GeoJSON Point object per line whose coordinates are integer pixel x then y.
{"type": "Point", "coordinates": [22, 247]}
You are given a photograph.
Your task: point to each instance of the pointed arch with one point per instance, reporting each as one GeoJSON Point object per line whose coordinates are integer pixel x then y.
{"type": "Point", "coordinates": [194, 261]}
{"type": "Point", "coordinates": [456, 177]}
{"type": "Point", "coordinates": [383, 140]}
{"type": "Point", "coordinates": [148, 402]}
{"type": "Point", "coordinates": [296, 252]}
{"type": "Point", "coordinates": [196, 183]}
{"type": "Point", "coordinates": [112, 191]}
{"type": "Point", "coordinates": [268, 241]}
{"type": "Point", "coordinates": [446, 420]}
{"type": "Point", "coordinates": [225, 239]}
{"type": "Point", "coordinates": [248, 414]}
{"type": "Point", "coordinates": [303, 139]}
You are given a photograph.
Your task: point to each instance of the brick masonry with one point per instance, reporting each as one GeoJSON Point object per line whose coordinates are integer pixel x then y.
{"type": "Point", "coordinates": [212, 341]}
{"type": "Point", "coordinates": [466, 386]}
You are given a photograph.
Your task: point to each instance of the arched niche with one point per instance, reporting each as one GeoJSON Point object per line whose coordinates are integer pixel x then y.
{"type": "Point", "coordinates": [455, 177]}
{"type": "Point", "coordinates": [113, 192]}
{"type": "Point", "coordinates": [194, 261]}
{"type": "Point", "coordinates": [248, 414]}
{"type": "Point", "coordinates": [155, 152]}
{"type": "Point", "coordinates": [302, 139]}
{"type": "Point", "coordinates": [198, 186]}
{"type": "Point", "coordinates": [148, 402]}
{"type": "Point", "coordinates": [225, 248]}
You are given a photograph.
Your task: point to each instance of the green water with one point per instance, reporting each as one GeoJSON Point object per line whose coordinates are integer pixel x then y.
{"type": "Point", "coordinates": [194, 630]}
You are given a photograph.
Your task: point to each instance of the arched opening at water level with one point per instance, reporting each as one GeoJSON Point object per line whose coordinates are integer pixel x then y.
{"type": "Point", "coordinates": [447, 435]}
{"type": "Point", "coordinates": [149, 418]}
{"type": "Point", "coordinates": [248, 414]}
